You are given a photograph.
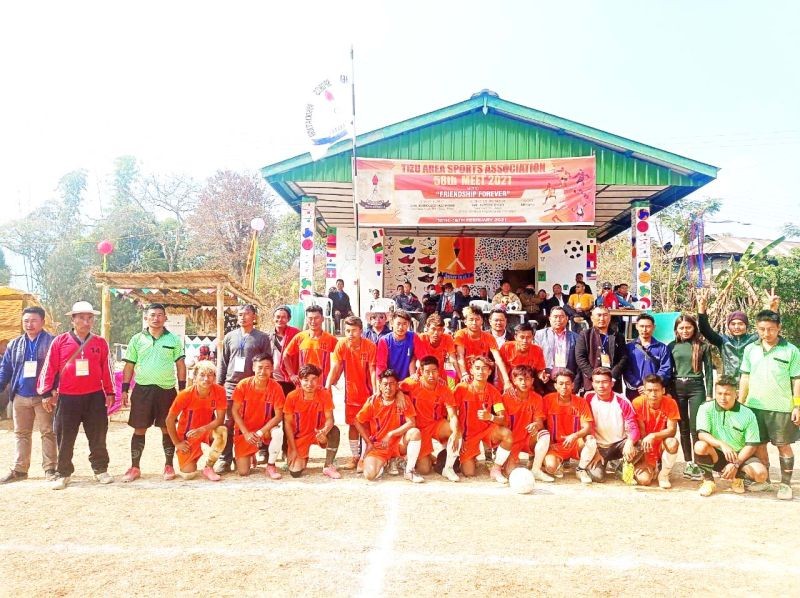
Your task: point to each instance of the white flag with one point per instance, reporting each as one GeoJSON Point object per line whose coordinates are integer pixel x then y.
{"type": "Point", "coordinates": [329, 114]}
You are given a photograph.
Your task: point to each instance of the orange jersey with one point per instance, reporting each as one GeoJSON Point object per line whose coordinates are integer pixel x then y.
{"type": "Point", "coordinates": [655, 420]}
{"type": "Point", "coordinates": [534, 357]}
{"type": "Point", "coordinates": [423, 348]}
{"type": "Point", "coordinates": [304, 349]}
{"type": "Point", "coordinates": [308, 415]}
{"type": "Point", "coordinates": [257, 406]}
{"type": "Point", "coordinates": [563, 420]}
{"type": "Point", "coordinates": [480, 346]}
{"type": "Point", "coordinates": [430, 405]}
{"type": "Point", "coordinates": [194, 411]}
{"type": "Point", "coordinates": [359, 364]}
{"type": "Point", "coordinates": [521, 413]}
{"type": "Point", "coordinates": [469, 402]}
{"type": "Point", "coordinates": [383, 418]}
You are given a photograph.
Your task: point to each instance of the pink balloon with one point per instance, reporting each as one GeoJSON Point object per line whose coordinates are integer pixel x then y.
{"type": "Point", "coordinates": [105, 247]}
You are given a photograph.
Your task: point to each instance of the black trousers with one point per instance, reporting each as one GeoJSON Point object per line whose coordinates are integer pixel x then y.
{"type": "Point", "coordinates": [690, 393]}
{"type": "Point", "coordinates": [71, 412]}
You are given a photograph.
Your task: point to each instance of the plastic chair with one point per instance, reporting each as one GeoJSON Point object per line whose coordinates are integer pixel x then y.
{"type": "Point", "coordinates": [327, 311]}
{"type": "Point", "coordinates": [383, 305]}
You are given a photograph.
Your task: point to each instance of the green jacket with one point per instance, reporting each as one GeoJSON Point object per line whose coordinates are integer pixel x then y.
{"type": "Point", "coordinates": [731, 348]}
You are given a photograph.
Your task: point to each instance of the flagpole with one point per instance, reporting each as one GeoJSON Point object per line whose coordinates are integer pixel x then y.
{"type": "Point", "coordinates": [354, 177]}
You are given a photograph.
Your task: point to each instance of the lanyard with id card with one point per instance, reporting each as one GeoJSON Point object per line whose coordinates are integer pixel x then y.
{"type": "Point", "coordinates": [29, 369]}
{"type": "Point", "coordinates": [238, 360]}
{"type": "Point", "coordinates": [82, 366]}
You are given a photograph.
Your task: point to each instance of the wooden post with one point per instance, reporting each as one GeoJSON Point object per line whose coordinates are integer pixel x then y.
{"type": "Point", "coordinates": [220, 318]}
{"type": "Point", "coordinates": [105, 313]}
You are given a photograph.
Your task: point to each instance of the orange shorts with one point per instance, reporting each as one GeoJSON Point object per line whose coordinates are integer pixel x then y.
{"type": "Point", "coordinates": [303, 444]}
{"type": "Point", "coordinates": [242, 448]}
{"type": "Point", "coordinates": [573, 452]}
{"type": "Point", "coordinates": [195, 450]}
{"type": "Point", "coordinates": [384, 454]}
{"type": "Point", "coordinates": [651, 458]}
{"type": "Point", "coordinates": [471, 446]}
{"type": "Point", "coordinates": [523, 445]}
{"type": "Point", "coordinates": [350, 412]}
{"type": "Point", "coordinates": [428, 433]}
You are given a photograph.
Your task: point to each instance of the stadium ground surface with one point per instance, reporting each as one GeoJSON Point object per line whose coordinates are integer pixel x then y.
{"type": "Point", "coordinates": [251, 536]}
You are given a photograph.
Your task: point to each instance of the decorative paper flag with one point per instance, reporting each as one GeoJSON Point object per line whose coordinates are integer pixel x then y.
{"type": "Point", "coordinates": [378, 247]}
{"type": "Point", "coordinates": [544, 248]}
{"type": "Point", "coordinates": [378, 259]}
{"type": "Point", "coordinates": [328, 113]}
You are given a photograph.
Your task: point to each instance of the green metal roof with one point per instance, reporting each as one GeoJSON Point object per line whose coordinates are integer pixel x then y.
{"type": "Point", "coordinates": [486, 127]}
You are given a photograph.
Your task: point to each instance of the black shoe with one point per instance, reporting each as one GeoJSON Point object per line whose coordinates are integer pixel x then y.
{"type": "Point", "coordinates": [13, 476]}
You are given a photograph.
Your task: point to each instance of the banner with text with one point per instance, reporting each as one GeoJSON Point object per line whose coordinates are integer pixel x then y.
{"type": "Point", "coordinates": [553, 192]}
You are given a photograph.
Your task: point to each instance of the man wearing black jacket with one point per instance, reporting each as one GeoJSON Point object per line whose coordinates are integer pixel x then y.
{"type": "Point", "coordinates": [600, 347]}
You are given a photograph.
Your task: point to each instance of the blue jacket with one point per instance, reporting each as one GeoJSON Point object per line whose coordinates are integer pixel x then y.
{"type": "Point", "coordinates": [14, 361]}
{"type": "Point", "coordinates": [657, 360]}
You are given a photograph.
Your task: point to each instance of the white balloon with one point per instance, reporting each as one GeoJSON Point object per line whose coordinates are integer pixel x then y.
{"type": "Point", "coordinates": [257, 224]}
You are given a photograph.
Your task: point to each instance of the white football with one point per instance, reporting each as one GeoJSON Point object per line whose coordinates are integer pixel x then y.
{"type": "Point", "coordinates": [521, 480]}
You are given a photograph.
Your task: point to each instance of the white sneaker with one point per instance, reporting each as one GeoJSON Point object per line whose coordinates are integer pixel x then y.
{"type": "Point", "coordinates": [104, 478]}
{"type": "Point", "coordinates": [663, 480]}
{"type": "Point", "coordinates": [392, 468]}
{"type": "Point", "coordinates": [450, 474]}
{"type": "Point", "coordinates": [221, 466]}
{"type": "Point", "coordinates": [497, 475]}
{"type": "Point", "coordinates": [414, 477]}
{"type": "Point", "coordinates": [541, 476]}
{"type": "Point", "coordinates": [60, 482]}
{"type": "Point", "coordinates": [583, 476]}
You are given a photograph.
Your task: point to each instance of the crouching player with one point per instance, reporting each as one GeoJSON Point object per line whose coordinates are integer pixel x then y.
{"type": "Point", "coordinates": [481, 418]}
{"type": "Point", "coordinates": [257, 412]}
{"type": "Point", "coordinates": [569, 420]}
{"type": "Point", "coordinates": [658, 416]}
{"type": "Point", "coordinates": [355, 357]}
{"type": "Point", "coordinates": [728, 437]}
{"type": "Point", "coordinates": [436, 416]}
{"type": "Point", "coordinates": [307, 420]}
{"type": "Point", "coordinates": [386, 423]}
{"type": "Point", "coordinates": [195, 418]}
{"type": "Point", "coordinates": [525, 417]}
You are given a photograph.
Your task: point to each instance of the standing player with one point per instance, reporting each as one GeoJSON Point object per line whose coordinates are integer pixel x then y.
{"type": "Point", "coordinates": [569, 421]}
{"type": "Point", "coordinates": [472, 341]}
{"type": "Point", "coordinates": [396, 350]}
{"type": "Point", "coordinates": [386, 422]}
{"type": "Point", "coordinates": [481, 418]}
{"type": "Point", "coordinates": [658, 416]}
{"type": "Point", "coordinates": [194, 419]}
{"type": "Point", "coordinates": [770, 387]}
{"type": "Point", "coordinates": [525, 417]}
{"type": "Point", "coordinates": [308, 418]}
{"type": "Point", "coordinates": [156, 356]}
{"type": "Point", "coordinates": [435, 342]}
{"type": "Point", "coordinates": [436, 416]}
{"type": "Point", "coordinates": [355, 357]}
{"type": "Point", "coordinates": [258, 412]}
{"type": "Point", "coordinates": [310, 347]}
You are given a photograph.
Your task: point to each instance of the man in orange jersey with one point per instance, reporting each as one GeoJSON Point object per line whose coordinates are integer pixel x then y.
{"type": "Point", "coordinates": [436, 416]}
{"type": "Point", "coordinates": [658, 416]}
{"type": "Point", "coordinates": [199, 412]}
{"type": "Point", "coordinates": [569, 420]}
{"type": "Point", "coordinates": [386, 423]}
{"type": "Point", "coordinates": [473, 341]}
{"type": "Point", "coordinates": [308, 419]}
{"type": "Point", "coordinates": [523, 351]}
{"type": "Point", "coordinates": [258, 412]}
{"type": "Point", "coordinates": [435, 342]}
{"type": "Point", "coordinates": [313, 346]}
{"type": "Point", "coordinates": [355, 357]}
{"type": "Point", "coordinates": [481, 418]}
{"type": "Point", "coordinates": [525, 419]}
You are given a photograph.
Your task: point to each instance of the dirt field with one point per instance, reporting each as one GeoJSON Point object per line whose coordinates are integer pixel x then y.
{"type": "Point", "coordinates": [249, 537]}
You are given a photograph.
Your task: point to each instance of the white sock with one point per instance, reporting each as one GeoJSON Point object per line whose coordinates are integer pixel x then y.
{"type": "Point", "coordinates": [355, 448]}
{"type": "Point", "coordinates": [587, 453]}
{"type": "Point", "coordinates": [500, 456]}
{"type": "Point", "coordinates": [412, 454]}
{"type": "Point", "coordinates": [275, 445]}
{"type": "Point", "coordinates": [452, 455]}
{"type": "Point", "coordinates": [540, 450]}
{"type": "Point", "coordinates": [668, 462]}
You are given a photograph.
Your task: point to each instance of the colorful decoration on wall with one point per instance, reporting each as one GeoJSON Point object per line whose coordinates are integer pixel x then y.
{"type": "Point", "coordinates": [307, 213]}
{"type": "Point", "coordinates": [640, 253]}
{"type": "Point", "coordinates": [330, 256]}
{"type": "Point", "coordinates": [457, 259]}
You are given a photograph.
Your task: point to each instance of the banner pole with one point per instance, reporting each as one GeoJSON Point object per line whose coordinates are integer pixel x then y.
{"type": "Point", "coordinates": [354, 177]}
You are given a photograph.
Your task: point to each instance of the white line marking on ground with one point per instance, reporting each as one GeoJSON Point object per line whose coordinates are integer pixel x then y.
{"type": "Point", "coordinates": [381, 555]}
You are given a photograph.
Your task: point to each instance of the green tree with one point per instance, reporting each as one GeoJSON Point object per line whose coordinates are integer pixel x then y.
{"type": "Point", "coordinates": [5, 272]}
{"type": "Point", "coordinates": [278, 280]}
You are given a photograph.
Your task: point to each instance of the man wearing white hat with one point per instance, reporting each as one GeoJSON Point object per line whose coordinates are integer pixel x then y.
{"type": "Point", "coordinates": [76, 380]}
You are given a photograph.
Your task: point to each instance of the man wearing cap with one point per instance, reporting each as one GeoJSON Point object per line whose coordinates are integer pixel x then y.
{"type": "Point", "coordinates": [22, 363]}
{"type": "Point", "coordinates": [378, 328]}
{"type": "Point", "coordinates": [157, 357]}
{"type": "Point", "coordinates": [78, 370]}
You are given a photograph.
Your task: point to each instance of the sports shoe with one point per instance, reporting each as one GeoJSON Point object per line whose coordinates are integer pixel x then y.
{"type": "Point", "coordinates": [349, 464]}
{"type": "Point", "coordinates": [104, 477]}
{"type": "Point", "coordinates": [428, 251]}
{"type": "Point", "coordinates": [707, 488]}
{"type": "Point", "coordinates": [408, 250]}
{"type": "Point", "coordinates": [169, 473]}
{"type": "Point", "coordinates": [60, 482]}
{"type": "Point", "coordinates": [222, 466]}
{"type": "Point", "coordinates": [261, 457]}
{"type": "Point", "coordinates": [392, 468]}
{"type": "Point", "coordinates": [583, 476]}
{"type": "Point", "coordinates": [496, 474]}
{"type": "Point", "coordinates": [692, 471]}
{"type": "Point", "coordinates": [785, 492]}
{"type": "Point", "coordinates": [272, 473]}
{"type": "Point", "coordinates": [751, 486]}
{"type": "Point", "coordinates": [427, 269]}
{"type": "Point", "coordinates": [211, 475]}
{"type": "Point", "coordinates": [541, 476]}
{"type": "Point", "coordinates": [134, 473]}
{"type": "Point", "coordinates": [414, 477]}
{"type": "Point", "coordinates": [13, 476]}
{"type": "Point", "coordinates": [427, 279]}
{"type": "Point", "coordinates": [50, 475]}
{"type": "Point", "coordinates": [559, 471]}
{"type": "Point", "coordinates": [663, 480]}
{"type": "Point", "coordinates": [737, 485]}
{"type": "Point", "coordinates": [628, 472]}
{"type": "Point", "coordinates": [407, 259]}
{"type": "Point", "coordinates": [331, 472]}
{"type": "Point", "coordinates": [450, 474]}
{"type": "Point", "coordinates": [406, 241]}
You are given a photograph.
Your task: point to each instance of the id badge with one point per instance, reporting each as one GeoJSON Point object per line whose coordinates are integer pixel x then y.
{"type": "Point", "coordinates": [29, 369]}
{"type": "Point", "coordinates": [238, 364]}
{"type": "Point", "coordinates": [561, 360]}
{"type": "Point", "coordinates": [81, 367]}
{"type": "Point", "coordinates": [605, 360]}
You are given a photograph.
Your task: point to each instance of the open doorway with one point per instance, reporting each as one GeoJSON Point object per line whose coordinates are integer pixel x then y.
{"type": "Point", "coordinates": [518, 278]}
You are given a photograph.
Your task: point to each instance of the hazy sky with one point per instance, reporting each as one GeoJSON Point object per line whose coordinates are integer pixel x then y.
{"type": "Point", "coordinates": [198, 86]}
